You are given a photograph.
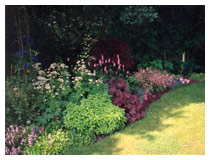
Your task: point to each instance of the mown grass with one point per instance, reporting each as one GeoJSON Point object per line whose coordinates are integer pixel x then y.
{"type": "Point", "coordinates": [175, 125]}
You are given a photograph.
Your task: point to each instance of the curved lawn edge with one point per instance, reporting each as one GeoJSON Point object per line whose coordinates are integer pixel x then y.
{"type": "Point", "coordinates": [175, 125]}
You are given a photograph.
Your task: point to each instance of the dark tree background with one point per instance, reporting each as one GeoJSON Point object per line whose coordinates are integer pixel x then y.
{"type": "Point", "coordinates": [153, 33]}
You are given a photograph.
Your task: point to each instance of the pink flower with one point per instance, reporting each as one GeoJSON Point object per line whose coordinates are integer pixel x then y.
{"type": "Point", "coordinates": [185, 80]}
{"type": "Point", "coordinates": [164, 86]}
{"type": "Point", "coordinates": [105, 61]}
{"type": "Point", "coordinates": [118, 57]}
{"type": "Point", "coordinates": [182, 82]}
{"type": "Point", "coordinates": [94, 72]}
{"type": "Point", "coordinates": [42, 128]}
{"type": "Point", "coordinates": [88, 63]}
{"type": "Point", "coordinates": [150, 94]}
{"type": "Point", "coordinates": [100, 62]}
{"type": "Point", "coordinates": [127, 72]}
{"type": "Point", "coordinates": [118, 61]}
{"type": "Point", "coordinates": [109, 60]}
{"type": "Point", "coordinates": [68, 59]}
{"type": "Point", "coordinates": [163, 82]}
{"type": "Point", "coordinates": [56, 117]}
{"type": "Point", "coordinates": [119, 66]}
{"type": "Point", "coordinates": [146, 99]}
{"type": "Point", "coordinates": [147, 91]}
{"type": "Point", "coordinates": [105, 69]}
{"type": "Point", "coordinates": [147, 68]}
{"type": "Point", "coordinates": [94, 65]}
{"type": "Point", "coordinates": [114, 64]}
{"type": "Point", "coordinates": [141, 102]}
{"type": "Point", "coordinates": [102, 57]}
{"type": "Point", "coordinates": [181, 79]}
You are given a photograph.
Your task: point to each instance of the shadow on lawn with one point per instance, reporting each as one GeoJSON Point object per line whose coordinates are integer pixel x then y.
{"type": "Point", "coordinates": [166, 107]}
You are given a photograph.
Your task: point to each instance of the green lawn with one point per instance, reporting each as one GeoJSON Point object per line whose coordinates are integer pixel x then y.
{"type": "Point", "coordinates": [175, 125]}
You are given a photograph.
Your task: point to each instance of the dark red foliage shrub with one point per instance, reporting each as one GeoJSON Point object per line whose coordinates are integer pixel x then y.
{"type": "Point", "coordinates": [110, 49]}
{"type": "Point", "coordinates": [123, 99]}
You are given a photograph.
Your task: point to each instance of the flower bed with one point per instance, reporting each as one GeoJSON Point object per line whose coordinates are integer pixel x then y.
{"type": "Point", "coordinates": [71, 110]}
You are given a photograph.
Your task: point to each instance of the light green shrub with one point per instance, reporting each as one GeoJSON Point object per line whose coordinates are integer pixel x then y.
{"type": "Point", "coordinates": [96, 115]}
{"type": "Point", "coordinates": [49, 144]}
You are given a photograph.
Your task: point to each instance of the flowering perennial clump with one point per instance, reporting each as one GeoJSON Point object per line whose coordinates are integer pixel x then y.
{"type": "Point", "coordinates": [148, 78]}
{"type": "Point", "coordinates": [109, 50]}
{"type": "Point", "coordinates": [108, 66]}
{"type": "Point", "coordinates": [17, 137]}
{"type": "Point", "coordinates": [81, 71]}
{"type": "Point", "coordinates": [48, 79]}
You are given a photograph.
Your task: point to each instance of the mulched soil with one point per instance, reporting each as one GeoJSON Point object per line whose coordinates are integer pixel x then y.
{"type": "Point", "coordinates": [151, 99]}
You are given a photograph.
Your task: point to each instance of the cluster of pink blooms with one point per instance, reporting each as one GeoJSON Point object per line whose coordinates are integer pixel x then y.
{"type": "Point", "coordinates": [149, 78]}
{"type": "Point", "coordinates": [184, 81]}
{"type": "Point", "coordinates": [106, 64]}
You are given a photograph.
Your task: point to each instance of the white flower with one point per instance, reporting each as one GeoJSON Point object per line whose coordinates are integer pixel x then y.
{"type": "Point", "coordinates": [47, 86]}
{"type": "Point", "coordinates": [41, 78]}
{"type": "Point", "coordinates": [62, 65]}
{"type": "Point", "coordinates": [54, 72]}
{"type": "Point", "coordinates": [41, 72]}
{"type": "Point", "coordinates": [60, 80]}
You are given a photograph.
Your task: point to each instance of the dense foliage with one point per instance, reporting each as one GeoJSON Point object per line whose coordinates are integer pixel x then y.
{"type": "Point", "coordinates": [49, 144]}
{"type": "Point", "coordinates": [95, 115]}
{"type": "Point", "coordinates": [123, 99]}
{"type": "Point", "coordinates": [67, 31]}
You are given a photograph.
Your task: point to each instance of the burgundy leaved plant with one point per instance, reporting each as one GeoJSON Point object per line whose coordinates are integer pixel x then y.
{"type": "Point", "coordinates": [123, 99]}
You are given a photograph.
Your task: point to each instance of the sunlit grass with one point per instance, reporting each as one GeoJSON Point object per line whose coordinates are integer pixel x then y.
{"type": "Point", "coordinates": [175, 125]}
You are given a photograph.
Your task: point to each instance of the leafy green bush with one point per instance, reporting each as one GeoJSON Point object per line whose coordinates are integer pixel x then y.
{"type": "Point", "coordinates": [21, 98]}
{"type": "Point", "coordinates": [96, 115]}
{"type": "Point", "coordinates": [133, 83]}
{"type": "Point", "coordinates": [197, 76]}
{"type": "Point", "coordinates": [158, 64]}
{"type": "Point", "coordinates": [49, 144]}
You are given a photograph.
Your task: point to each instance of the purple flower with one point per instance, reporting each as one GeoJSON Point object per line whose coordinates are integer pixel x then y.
{"type": "Point", "coordinates": [28, 65]}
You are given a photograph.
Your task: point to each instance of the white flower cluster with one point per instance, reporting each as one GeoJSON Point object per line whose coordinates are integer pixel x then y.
{"type": "Point", "coordinates": [48, 78]}
{"type": "Point", "coordinates": [81, 68]}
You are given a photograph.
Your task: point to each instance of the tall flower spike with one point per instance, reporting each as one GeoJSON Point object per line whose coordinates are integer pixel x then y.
{"type": "Point", "coordinates": [119, 66]}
